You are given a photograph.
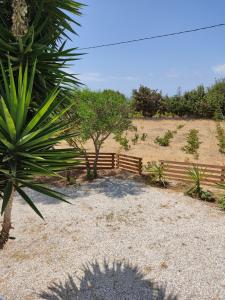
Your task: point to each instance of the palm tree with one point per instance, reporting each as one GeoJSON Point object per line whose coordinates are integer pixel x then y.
{"type": "Point", "coordinates": [27, 143]}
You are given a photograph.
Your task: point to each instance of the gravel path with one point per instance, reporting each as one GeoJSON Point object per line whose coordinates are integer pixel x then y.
{"type": "Point", "coordinates": [118, 240]}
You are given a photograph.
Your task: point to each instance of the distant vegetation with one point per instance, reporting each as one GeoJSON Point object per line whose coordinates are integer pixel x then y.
{"type": "Point", "coordinates": [200, 102]}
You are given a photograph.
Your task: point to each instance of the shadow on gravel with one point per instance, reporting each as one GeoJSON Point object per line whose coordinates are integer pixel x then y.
{"type": "Point", "coordinates": [109, 186]}
{"type": "Point", "coordinates": [119, 281]}
{"type": "Point", "coordinates": [117, 188]}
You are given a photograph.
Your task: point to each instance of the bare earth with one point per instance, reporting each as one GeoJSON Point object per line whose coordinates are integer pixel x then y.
{"type": "Point", "coordinates": [116, 239]}
{"type": "Point", "coordinates": [149, 151]}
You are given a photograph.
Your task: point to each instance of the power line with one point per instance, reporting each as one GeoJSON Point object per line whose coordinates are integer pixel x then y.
{"type": "Point", "coordinates": [153, 37]}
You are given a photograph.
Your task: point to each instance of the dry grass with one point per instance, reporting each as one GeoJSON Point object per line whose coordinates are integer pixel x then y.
{"type": "Point", "coordinates": [208, 151]}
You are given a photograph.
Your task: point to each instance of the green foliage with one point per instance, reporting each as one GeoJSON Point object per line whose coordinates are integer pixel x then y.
{"type": "Point", "coordinates": [123, 141]}
{"type": "Point", "coordinates": [49, 25]}
{"type": "Point", "coordinates": [220, 137]}
{"type": "Point", "coordinates": [164, 140]}
{"type": "Point", "coordinates": [192, 142]}
{"type": "Point", "coordinates": [27, 143]}
{"type": "Point", "coordinates": [135, 138]}
{"type": "Point", "coordinates": [146, 101]}
{"type": "Point", "coordinates": [200, 102]}
{"type": "Point", "coordinates": [144, 136]}
{"type": "Point", "coordinates": [97, 115]}
{"type": "Point", "coordinates": [180, 126]}
{"type": "Point", "coordinates": [156, 173]}
{"type": "Point", "coordinates": [221, 200]}
{"type": "Point", "coordinates": [197, 175]}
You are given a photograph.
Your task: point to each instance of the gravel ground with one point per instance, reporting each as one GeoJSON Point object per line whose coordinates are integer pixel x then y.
{"type": "Point", "coordinates": [118, 240]}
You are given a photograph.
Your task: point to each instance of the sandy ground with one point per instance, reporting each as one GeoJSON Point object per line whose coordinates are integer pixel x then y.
{"type": "Point", "coordinates": [118, 240]}
{"type": "Point", "coordinates": [149, 151]}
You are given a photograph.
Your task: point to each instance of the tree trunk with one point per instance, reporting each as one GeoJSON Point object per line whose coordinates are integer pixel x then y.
{"type": "Point", "coordinates": [6, 224]}
{"type": "Point", "coordinates": [19, 18]}
{"type": "Point", "coordinates": [95, 165]}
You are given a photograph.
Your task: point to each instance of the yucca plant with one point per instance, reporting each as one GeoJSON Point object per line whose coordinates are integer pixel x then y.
{"type": "Point", "coordinates": [197, 175]}
{"type": "Point", "coordinates": [27, 143]}
{"type": "Point", "coordinates": [39, 29]}
{"type": "Point", "coordinates": [157, 173]}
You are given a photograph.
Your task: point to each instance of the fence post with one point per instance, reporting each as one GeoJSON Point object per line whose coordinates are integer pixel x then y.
{"type": "Point", "coordinates": [140, 166]}
{"type": "Point", "coordinates": [113, 160]}
{"type": "Point", "coordinates": [222, 175]}
{"type": "Point", "coordinates": [117, 161]}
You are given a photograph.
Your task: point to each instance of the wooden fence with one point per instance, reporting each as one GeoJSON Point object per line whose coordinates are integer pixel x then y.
{"type": "Point", "coordinates": [213, 174]}
{"type": "Point", "coordinates": [108, 161]}
{"type": "Point", "coordinates": [129, 163]}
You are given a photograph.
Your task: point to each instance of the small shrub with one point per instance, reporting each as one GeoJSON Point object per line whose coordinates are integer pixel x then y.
{"type": "Point", "coordinates": [165, 140]}
{"type": "Point", "coordinates": [221, 200]}
{"type": "Point", "coordinates": [156, 173]}
{"type": "Point", "coordinates": [135, 139]}
{"type": "Point", "coordinates": [220, 137]}
{"type": "Point", "coordinates": [197, 176]}
{"type": "Point", "coordinates": [180, 126]}
{"type": "Point", "coordinates": [192, 143]}
{"type": "Point", "coordinates": [123, 141]}
{"type": "Point", "coordinates": [143, 137]}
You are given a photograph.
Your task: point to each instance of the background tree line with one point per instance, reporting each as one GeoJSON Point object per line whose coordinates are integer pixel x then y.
{"type": "Point", "coordinates": [200, 102]}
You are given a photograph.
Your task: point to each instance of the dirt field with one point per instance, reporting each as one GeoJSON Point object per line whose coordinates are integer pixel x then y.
{"type": "Point", "coordinates": [208, 152]}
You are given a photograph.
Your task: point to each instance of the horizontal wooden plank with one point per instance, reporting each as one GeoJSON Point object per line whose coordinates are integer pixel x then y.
{"type": "Point", "coordinates": [169, 171]}
{"type": "Point", "coordinates": [128, 159]}
{"type": "Point", "coordinates": [185, 169]}
{"type": "Point", "coordinates": [129, 167]}
{"type": "Point", "coordinates": [191, 164]}
{"type": "Point", "coordinates": [171, 176]}
{"type": "Point", "coordinates": [101, 153]}
{"type": "Point", "coordinates": [135, 165]}
{"type": "Point", "coordinates": [129, 156]}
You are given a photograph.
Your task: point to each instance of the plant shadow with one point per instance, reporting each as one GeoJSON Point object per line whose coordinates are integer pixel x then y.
{"type": "Point", "coordinates": [109, 186]}
{"type": "Point", "coordinates": [117, 188]}
{"type": "Point", "coordinates": [118, 281]}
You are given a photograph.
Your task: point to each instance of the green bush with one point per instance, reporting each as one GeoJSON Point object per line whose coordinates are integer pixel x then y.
{"type": "Point", "coordinates": [192, 142]}
{"type": "Point", "coordinates": [156, 173]}
{"type": "Point", "coordinates": [135, 139]}
{"type": "Point", "coordinates": [221, 202]}
{"type": "Point", "coordinates": [164, 140]}
{"type": "Point", "coordinates": [180, 126]}
{"type": "Point", "coordinates": [143, 137]}
{"type": "Point", "coordinates": [124, 142]}
{"type": "Point", "coordinates": [196, 191]}
{"type": "Point", "coordinates": [220, 137]}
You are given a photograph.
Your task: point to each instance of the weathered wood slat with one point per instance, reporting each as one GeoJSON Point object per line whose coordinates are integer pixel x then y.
{"type": "Point", "coordinates": [185, 173]}
{"type": "Point", "coordinates": [185, 169]}
{"type": "Point", "coordinates": [132, 160]}
{"type": "Point", "coordinates": [191, 164]}
{"type": "Point", "coordinates": [129, 156]}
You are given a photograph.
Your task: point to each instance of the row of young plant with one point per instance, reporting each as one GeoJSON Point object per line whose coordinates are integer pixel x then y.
{"type": "Point", "coordinates": [192, 140]}
{"type": "Point", "coordinates": [157, 176]}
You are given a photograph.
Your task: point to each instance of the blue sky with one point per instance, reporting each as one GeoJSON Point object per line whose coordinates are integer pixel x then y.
{"type": "Point", "coordinates": [164, 64]}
